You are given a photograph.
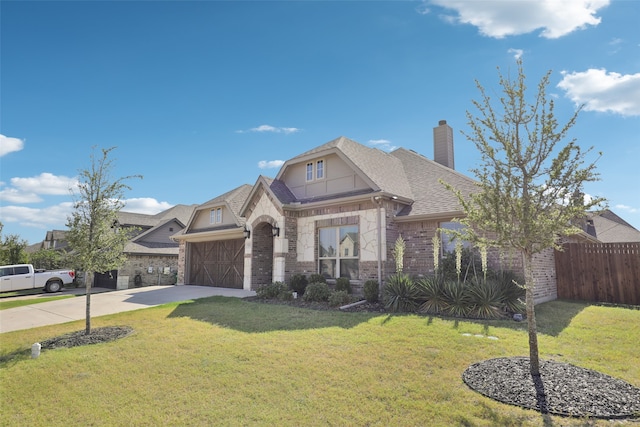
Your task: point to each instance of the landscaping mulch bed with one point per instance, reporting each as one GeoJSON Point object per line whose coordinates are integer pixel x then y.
{"type": "Point", "coordinates": [77, 338]}
{"type": "Point", "coordinates": [377, 307]}
{"type": "Point", "coordinates": [563, 389]}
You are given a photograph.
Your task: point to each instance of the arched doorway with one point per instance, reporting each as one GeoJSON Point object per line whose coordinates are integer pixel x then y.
{"type": "Point", "coordinates": [261, 255]}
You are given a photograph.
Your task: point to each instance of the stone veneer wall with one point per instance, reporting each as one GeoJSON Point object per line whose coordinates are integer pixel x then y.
{"type": "Point", "coordinates": [139, 264]}
{"type": "Point", "coordinates": [182, 259]}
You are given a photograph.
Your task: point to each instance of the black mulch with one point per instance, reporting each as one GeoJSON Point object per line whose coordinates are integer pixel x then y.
{"type": "Point", "coordinates": [565, 389]}
{"type": "Point", "coordinates": [98, 335]}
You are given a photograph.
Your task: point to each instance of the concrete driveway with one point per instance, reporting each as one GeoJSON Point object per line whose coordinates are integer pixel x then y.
{"type": "Point", "coordinates": [103, 303]}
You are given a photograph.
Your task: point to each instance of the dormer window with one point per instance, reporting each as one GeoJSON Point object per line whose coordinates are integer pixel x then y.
{"type": "Point", "coordinates": [215, 216]}
{"type": "Point", "coordinates": [315, 170]}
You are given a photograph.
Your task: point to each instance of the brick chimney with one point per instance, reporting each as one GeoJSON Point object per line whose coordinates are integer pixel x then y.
{"type": "Point", "coordinates": [443, 144]}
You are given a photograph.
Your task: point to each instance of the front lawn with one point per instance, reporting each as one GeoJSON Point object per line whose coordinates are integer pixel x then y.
{"type": "Point", "coordinates": [224, 361]}
{"type": "Point", "coordinates": [13, 303]}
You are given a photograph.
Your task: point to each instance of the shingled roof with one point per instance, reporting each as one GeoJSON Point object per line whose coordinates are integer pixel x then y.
{"type": "Point", "coordinates": [430, 197]}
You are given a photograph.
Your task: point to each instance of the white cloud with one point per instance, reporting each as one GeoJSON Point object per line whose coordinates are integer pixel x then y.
{"type": "Point", "coordinates": [517, 53]}
{"type": "Point", "coordinates": [9, 145]}
{"type": "Point", "coordinates": [383, 144]}
{"type": "Point", "coordinates": [145, 205]}
{"type": "Point", "coordinates": [12, 195]}
{"type": "Point", "coordinates": [269, 128]}
{"type": "Point", "coordinates": [45, 183]}
{"type": "Point", "coordinates": [627, 208]}
{"type": "Point", "coordinates": [44, 218]}
{"type": "Point", "coordinates": [499, 19]}
{"type": "Point", "coordinates": [270, 164]}
{"type": "Point", "coordinates": [603, 91]}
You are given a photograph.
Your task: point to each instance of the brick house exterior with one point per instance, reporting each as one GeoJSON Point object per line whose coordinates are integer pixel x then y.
{"type": "Point", "coordinates": [298, 221]}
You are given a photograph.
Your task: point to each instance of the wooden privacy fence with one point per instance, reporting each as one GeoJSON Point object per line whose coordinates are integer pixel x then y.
{"type": "Point", "coordinates": [603, 272]}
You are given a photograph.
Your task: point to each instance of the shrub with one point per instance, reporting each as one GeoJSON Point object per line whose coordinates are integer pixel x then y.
{"type": "Point", "coordinates": [343, 284]}
{"type": "Point", "coordinates": [484, 299]}
{"type": "Point", "coordinates": [510, 290]}
{"type": "Point", "coordinates": [272, 290]}
{"type": "Point", "coordinates": [317, 278]}
{"type": "Point", "coordinates": [371, 291]}
{"type": "Point", "coordinates": [431, 292]}
{"type": "Point", "coordinates": [339, 298]}
{"type": "Point", "coordinates": [457, 299]}
{"type": "Point", "coordinates": [400, 294]}
{"type": "Point", "coordinates": [298, 283]}
{"type": "Point", "coordinates": [316, 292]}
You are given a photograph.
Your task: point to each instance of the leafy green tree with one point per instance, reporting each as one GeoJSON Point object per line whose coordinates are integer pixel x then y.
{"type": "Point", "coordinates": [94, 232]}
{"type": "Point", "coordinates": [12, 249]}
{"type": "Point", "coordinates": [530, 180]}
{"type": "Point", "coordinates": [49, 259]}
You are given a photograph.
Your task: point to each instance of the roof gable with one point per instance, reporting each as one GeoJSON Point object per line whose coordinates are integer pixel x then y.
{"type": "Point", "coordinates": [381, 171]}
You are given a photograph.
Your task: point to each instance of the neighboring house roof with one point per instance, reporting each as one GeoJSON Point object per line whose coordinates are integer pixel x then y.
{"type": "Point", "coordinates": [610, 228]}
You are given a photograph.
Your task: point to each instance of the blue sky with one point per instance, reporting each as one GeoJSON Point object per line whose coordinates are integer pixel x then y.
{"type": "Point", "coordinates": [200, 97]}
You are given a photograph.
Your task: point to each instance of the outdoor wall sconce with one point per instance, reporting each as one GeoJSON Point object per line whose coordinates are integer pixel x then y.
{"type": "Point", "coordinates": [246, 233]}
{"type": "Point", "coordinates": [275, 231]}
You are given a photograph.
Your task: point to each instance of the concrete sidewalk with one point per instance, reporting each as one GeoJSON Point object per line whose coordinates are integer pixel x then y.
{"type": "Point", "coordinates": [103, 303]}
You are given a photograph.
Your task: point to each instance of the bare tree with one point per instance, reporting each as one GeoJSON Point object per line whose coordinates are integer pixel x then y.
{"type": "Point", "coordinates": [530, 180]}
{"type": "Point", "coordinates": [94, 233]}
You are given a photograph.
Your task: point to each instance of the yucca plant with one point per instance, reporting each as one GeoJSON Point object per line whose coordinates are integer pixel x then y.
{"type": "Point", "coordinates": [400, 294]}
{"type": "Point", "coordinates": [431, 292]}
{"type": "Point", "coordinates": [485, 299]}
{"type": "Point", "coordinates": [511, 292]}
{"type": "Point", "coordinates": [457, 298]}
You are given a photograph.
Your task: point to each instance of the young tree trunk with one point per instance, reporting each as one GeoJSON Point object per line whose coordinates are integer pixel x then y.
{"type": "Point", "coordinates": [88, 283]}
{"type": "Point", "coordinates": [534, 362]}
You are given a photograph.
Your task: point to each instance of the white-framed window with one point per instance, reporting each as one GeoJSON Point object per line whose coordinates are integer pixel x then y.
{"type": "Point", "coordinates": [449, 241]}
{"type": "Point", "coordinates": [315, 170]}
{"type": "Point", "coordinates": [338, 252]}
{"type": "Point", "coordinates": [215, 216]}
{"type": "Point", "coordinates": [310, 171]}
{"type": "Point", "coordinates": [320, 169]}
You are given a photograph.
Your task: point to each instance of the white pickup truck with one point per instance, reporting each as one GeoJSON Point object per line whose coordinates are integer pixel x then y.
{"type": "Point", "coordinates": [23, 276]}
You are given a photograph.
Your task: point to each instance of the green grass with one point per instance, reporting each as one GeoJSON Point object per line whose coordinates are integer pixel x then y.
{"type": "Point", "coordinates": [4, 305]}
{"type": "Point", "coordinates": [24, 292]}
{"type": "Point", "coordinates": [223, 361]}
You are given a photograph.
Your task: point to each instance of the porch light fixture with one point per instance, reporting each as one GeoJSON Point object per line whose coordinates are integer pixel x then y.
{"type": "Point", "coordinates": [246, 233]}
{"type": "Point", "coordinates": [275, 231]}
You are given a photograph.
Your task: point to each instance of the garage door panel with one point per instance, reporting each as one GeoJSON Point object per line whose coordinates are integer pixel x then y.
{"type": "Point", "coordinates": [219, 263]}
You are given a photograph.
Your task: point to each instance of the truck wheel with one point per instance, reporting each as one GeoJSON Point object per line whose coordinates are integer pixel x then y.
{"type": "Point", "coordinates": [53, 286]}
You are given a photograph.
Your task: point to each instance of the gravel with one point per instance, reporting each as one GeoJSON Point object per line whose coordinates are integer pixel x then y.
{"type": "Point", "coordinates": [566, 389]}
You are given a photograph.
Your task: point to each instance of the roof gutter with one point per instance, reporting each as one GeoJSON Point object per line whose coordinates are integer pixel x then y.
{"type": "Point", "coordinates": [298, 206]}
{"type": "Point", "coordinates": [207, 236]}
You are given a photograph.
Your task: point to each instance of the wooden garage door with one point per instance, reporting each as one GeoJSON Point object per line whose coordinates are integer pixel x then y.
{"type": "Point", "coordinates": [219, 264]}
